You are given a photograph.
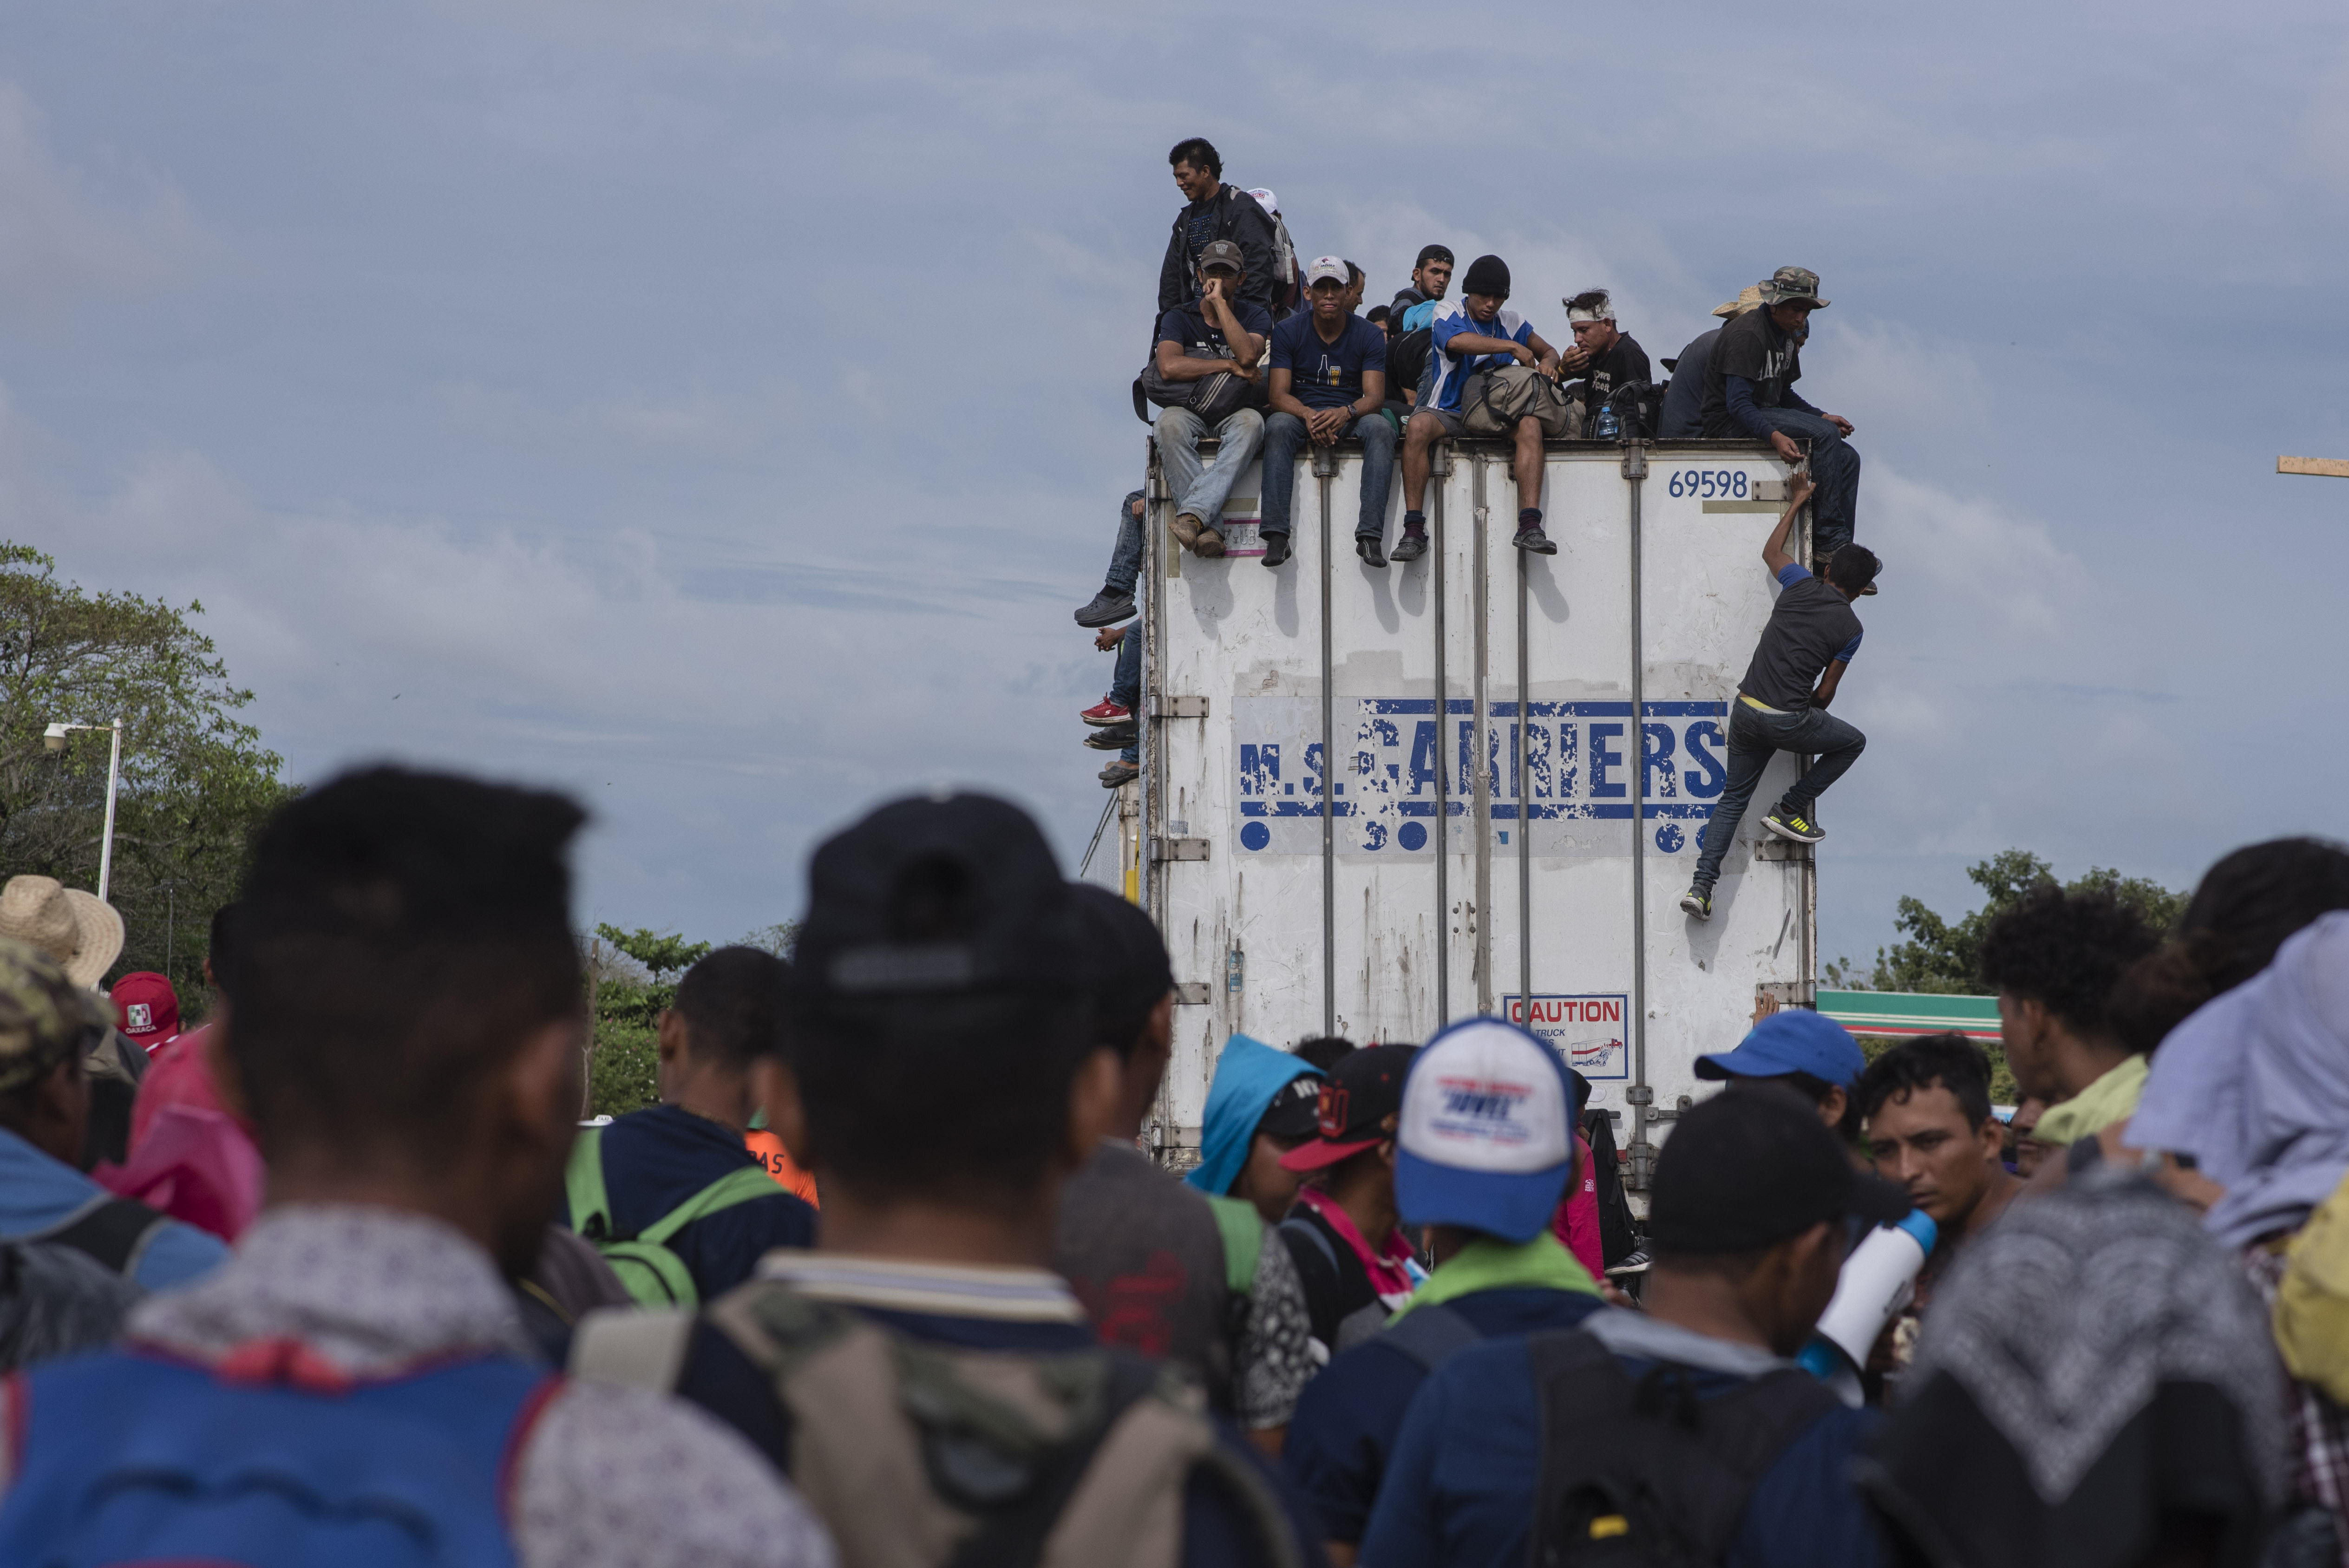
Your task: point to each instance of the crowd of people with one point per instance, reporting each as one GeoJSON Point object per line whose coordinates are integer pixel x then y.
{"type": "Point", "coordinates": [1398, 1312]}
{"type": "Point", "coordinates": [1269, 357]}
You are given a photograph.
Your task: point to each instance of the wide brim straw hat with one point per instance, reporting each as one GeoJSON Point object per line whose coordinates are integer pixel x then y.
{"type": "Point", "coordinates": [1748, 298]}
{"type": "Point", "coordinates": [79, 930]}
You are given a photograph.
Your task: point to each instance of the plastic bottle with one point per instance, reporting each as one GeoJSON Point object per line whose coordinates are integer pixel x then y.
{"type": "Point", "coordinates": [1877, 1282]}
{"type": "Point", "coordinates": [1609, 426]}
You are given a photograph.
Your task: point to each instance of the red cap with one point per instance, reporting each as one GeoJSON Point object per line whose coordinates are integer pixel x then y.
{"type": "Point", "coordinates": [146, 1008]}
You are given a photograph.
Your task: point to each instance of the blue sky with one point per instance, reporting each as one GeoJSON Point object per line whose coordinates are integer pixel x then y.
{"type": "Point", "coordinates": [716, 408]}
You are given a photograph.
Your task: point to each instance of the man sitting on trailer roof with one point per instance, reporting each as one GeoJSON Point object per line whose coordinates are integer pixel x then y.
{"type": "Point", "coordinates": [1609, 359]}
{"type": "Point", "coordinates": [1749, 390]}
{"type": "Point", "coordinates": [1328, 379]}
{"type": "Point", "coordinates": [1219, 332]}
{"type": "Point", "coordinates": [1812, 636]}
{"type": "Point", "coordinates": [1475, 335]}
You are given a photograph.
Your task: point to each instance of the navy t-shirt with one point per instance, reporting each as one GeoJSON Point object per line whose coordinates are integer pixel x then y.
{"type": "Point", "coordinates": [1346, 1421]}
{"type": "Point", "coordinates": [1199, 337]}
{"type": "Point", "coordinates": [655, 1160]}
{"type": "Point", "coordinates": [1217, 1527]}
{"type": "Point", "coordinates": [1327, 375]}
{"type": "Point", "coordinates": [1460, 1486]}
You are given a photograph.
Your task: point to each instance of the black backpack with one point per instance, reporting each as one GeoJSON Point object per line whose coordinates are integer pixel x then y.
{"type": "Point", "coordinates": [1643, 1474]}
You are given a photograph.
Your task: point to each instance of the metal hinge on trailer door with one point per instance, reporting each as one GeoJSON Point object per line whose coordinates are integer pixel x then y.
{"type": "Point", "coordinates": [1773, 996]}
{"type": "Point", "coordinates": [1177, 849]}
{"type": "Point", "coordinates": [1775, 847]}
{"type": "Point", "coordinates": [1180, 708]}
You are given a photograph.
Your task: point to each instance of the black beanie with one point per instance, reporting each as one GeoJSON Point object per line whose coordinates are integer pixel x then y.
{"type": "Point", "coordinates": [1487, 275]}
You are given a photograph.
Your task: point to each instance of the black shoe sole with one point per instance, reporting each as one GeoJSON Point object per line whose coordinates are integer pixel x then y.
{"type": "Point", "coordinates": [1367, 552]}
{"type": "Point", "coordinates": [1112, 740]}
{"type": "Point", "coordinates": [1536, 545]}
{"type": "Point", "coordinates": [1091, 618]}
{"type": "Point", "coordinates": [1109, 783]}
{"type": "Point", "coordinates": [1790, 835]}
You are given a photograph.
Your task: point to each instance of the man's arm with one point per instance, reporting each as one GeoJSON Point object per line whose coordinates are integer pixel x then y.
{"type": "Point", "coordinates": [1247, 346]}
{"type": "Point", "coordinates": [1461, 344]}
{"type": "Point", "coordinates": [1284, 400]}
{"type": "Point", "coordinates": [1774, 548]}
{"type": "Point", "coordinates": [1545, 356]}
{"type": "Point", "coordinates": [1827, 684]}
{"type": "Point", "coordinates": [1177, 366]}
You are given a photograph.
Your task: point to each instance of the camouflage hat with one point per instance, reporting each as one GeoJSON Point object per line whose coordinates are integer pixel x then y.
{"type": "Point", "coordinates": [1789, 283]}
{"type": "Point", "coordinates": [45, 1017]}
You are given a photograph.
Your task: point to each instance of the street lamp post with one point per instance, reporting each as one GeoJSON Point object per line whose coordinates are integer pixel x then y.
{"type": "Point", "coordinates": [53, 737]}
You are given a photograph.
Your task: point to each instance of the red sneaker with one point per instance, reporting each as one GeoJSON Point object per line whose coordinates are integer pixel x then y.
{"type": "Point", "coordinates": [1106, 712]}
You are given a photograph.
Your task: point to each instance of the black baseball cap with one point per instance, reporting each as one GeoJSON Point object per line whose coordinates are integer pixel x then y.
{"type": "Point", "coordinates": [1128, 966]}
{"type": "Point", "coordinates": [938, 895]}
{"type": "Point", "coordinates": [1295, 1113]}
{"type": "Point", "coordinates": [1433, 254]}
{"type": "Point", "coordinates": [1747, 1170]}
{"type": "Point", "coordinates": [1360, 1106]}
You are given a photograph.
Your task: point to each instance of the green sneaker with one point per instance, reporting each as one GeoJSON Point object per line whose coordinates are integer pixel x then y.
{"type": "Point", "coordinates": [1697, 902]}
{"type": "Point", "coordinates": [1792, 825]}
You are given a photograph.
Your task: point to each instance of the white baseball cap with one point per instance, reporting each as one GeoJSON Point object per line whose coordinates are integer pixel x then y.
{"type": "Point", "coordinates": [1268, 200]}
{"type": "Point", "coordinates": [1485, 1140]}
{"type": "Point", "coordinates": [1332, 267]}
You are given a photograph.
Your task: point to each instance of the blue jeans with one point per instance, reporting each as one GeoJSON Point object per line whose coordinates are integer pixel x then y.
{"type": "Point", "coordinates": [1284, 437]}
{"type": "Point", "coordinates": [1125, 561]}
{"type": "Point", "coordinates": [1835, 468]}
{"type": "Point", "coordinates": [1199, 488]}
{"type": "Point", "coordinates": [1125, 685]}
{"type": "Point", "coordinates": [1755, 738]}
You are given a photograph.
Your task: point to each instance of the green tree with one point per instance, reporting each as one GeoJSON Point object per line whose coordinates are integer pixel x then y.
{"type": "Point", "coordinates": [1944, 956]}
{"type": "Point", "coordinates": [196, 781]}
{"type": "Point", "coordinates": [634, 975]}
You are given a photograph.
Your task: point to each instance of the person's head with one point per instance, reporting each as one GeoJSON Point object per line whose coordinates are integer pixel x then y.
{"type": "Point", "coordinates": [1747, 1210]}
{"type": "Point", "coordinates": [1380, 317]}
{"type": "Point", "coordinates": [408, 999]}
{"type": "Point", "coordinates": [2053, 958]}
{"type": "Point", "coordinates": [721, 1024]}
{"type": "Point", "coordinates": [1221, 263]}
{"type": "Point", "coordinates": [1591, 315]}
{"type": "Point", "coordinates": [939, 1048]}
{"type": "Point", "coordinates": [1325, 1051]}
{"type": "Point", "coordinates": [1851, 569]}
{"type": "Point", "coordinates": [79, 930]}
{"type": "Point", "coordinates": [1485, 1140]}
{"type": "Point", "coordinates": [1198, 168]}
{"type": "Point", "coordinates": [1132, 995]}
{"type": "Point", "coordinates": [48, 1023]}
{"type": "Point", "coordinates": [1359, 1106]}
{"type": "Point", "coordinates": [1432, 273]}
{"type": "Point", "coordinates": [220, 941]}
{"type": "Point", "coordinates": [1929, 1125]}
{"type": "Point", "coordinates": [146, 1008]}
{"type": "Point", "coordinates": [1290, 1121]}
{"type": "Point", "coordinates": [2019, 1128]}
{"type": "Point", "coordinates": [1792, 294]}
{"type": "Point", "coordinates": [1326, 288]}
{"type": "Point", "coordinates": [1486, 288]}
{"type": "Point", "coordinates": [1357, 281]}
{"type": "Point", "coordinates": [2245, 907]}
{"type": "Point", "coordinates": [1802, 1052]}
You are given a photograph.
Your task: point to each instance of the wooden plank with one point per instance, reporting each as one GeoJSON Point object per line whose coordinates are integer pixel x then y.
{"type": "Point", "coordinates": [2330, 468]}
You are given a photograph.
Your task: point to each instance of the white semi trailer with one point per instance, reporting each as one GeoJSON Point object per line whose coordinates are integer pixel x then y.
{"type": "Point", "coordinates": [1314, 835]}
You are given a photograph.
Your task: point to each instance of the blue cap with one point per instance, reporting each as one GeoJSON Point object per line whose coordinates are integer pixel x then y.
{"type": "Point", "coordinates": [1485, 1140]}
{"type": "Point", "coordinates": [1795, 1041]}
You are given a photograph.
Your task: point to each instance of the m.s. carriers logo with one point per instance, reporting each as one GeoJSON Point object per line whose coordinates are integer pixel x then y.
{"type": "Point", "coordinates": [1396, 759]}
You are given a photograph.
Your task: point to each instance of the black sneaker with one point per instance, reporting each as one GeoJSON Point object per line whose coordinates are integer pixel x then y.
{"type": "Point", "coordinates": [1275, 549]}
{"type": "Point", "coordinates": [1697, 901]}
{"type": "Point", "coordinates": [1534, 541]}
{"type": "Point", "coordinates": [1116, 740]}
{"type": "Point", "coordinates": [1119, 772]}
{"type": "Point", "coordinates": [1793, 825]}
{"type": "Point", "coordinates": [1367, 547]}
{"type": "Point", "coordinates": [1411, 546]}
{"type": "Point", "coordinates": [1108, 608]}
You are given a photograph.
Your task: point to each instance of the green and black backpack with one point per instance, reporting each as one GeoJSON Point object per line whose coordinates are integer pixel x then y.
{"type": "Point", "coordinates": [654, 1276]}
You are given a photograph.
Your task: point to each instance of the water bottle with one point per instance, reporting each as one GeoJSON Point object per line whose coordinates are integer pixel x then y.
{"type": "Point", "coordinates": [1609, 426]}
{"type": "Point", "coordinates": [1878, 1280]}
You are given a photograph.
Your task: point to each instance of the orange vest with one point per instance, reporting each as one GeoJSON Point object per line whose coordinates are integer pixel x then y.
{"type": "Point", "coordinates": [781, 1166]}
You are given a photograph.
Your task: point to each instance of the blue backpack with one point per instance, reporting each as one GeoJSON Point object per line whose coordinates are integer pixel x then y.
{"type": "Point", "coordinates": [128, 1457]}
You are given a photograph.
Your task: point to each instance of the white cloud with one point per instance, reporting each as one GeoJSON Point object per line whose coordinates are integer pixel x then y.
{"type": "Point", "coordinates": [72, 231]}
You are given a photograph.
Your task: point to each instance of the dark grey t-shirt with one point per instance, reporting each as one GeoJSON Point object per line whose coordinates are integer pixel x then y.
{"type": "Point", "coordinates": [1811, 626]}
{"type": "Point", "coordinates": [1683, 415]}
{"type": "Point", "coordinates": [1144, 1254]}
{"type": "Point", "coordinates": [1755, 348]}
